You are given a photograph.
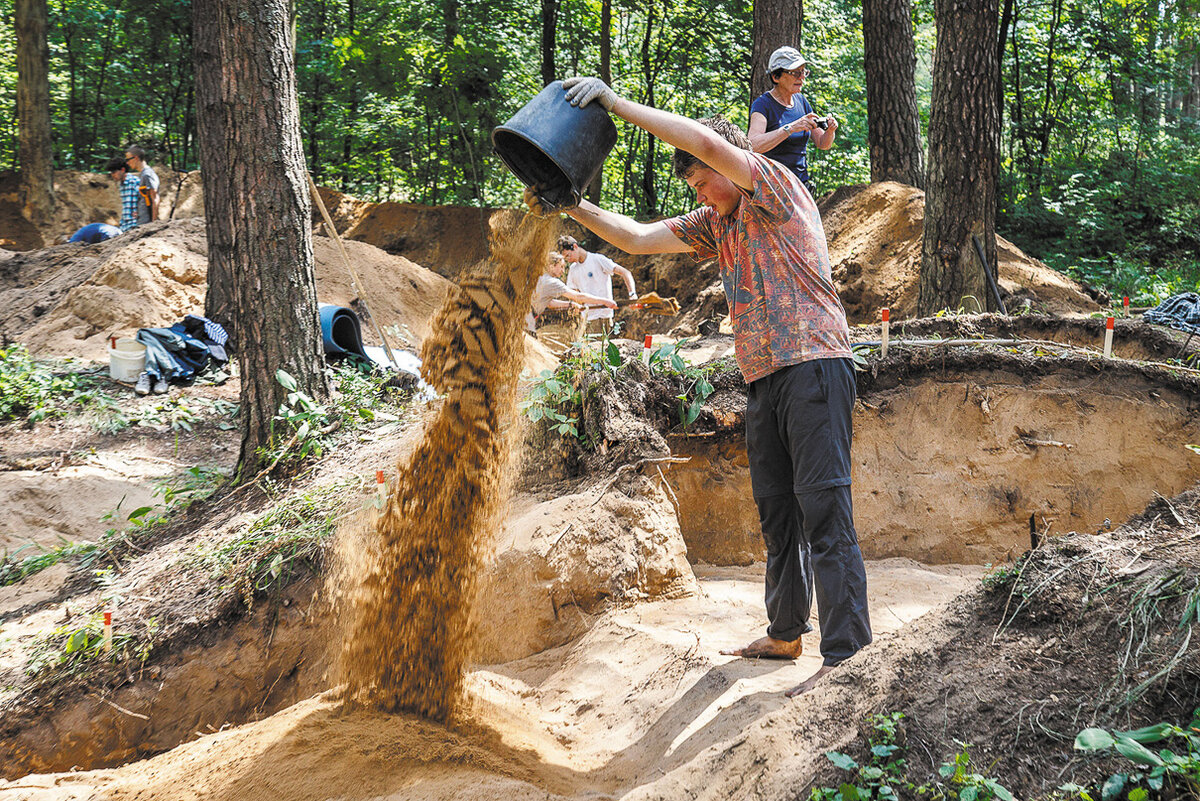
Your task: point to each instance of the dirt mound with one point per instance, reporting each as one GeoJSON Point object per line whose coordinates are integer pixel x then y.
{"type": "Point", "coordinates": [70, 298]}
{"type": "Point", "coordinates": [87, 197]}
{"type": "Point", "coordinates": [447, 239]}
{"type": "Point", "coordinates": [874, 233]}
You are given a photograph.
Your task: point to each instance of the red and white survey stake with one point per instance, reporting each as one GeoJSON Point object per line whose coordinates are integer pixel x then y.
{"type": "Point", "coordinates": [884, 343]}
{"type": "Point", "coordinates": [107, 642]}
{"type": "Point", "coordinates": [1108, 332]}
{"type": "Point", "coordinates": [646, 345]}
{"type": "Point", "coordinates": [380, 488]}
{"type": "Point", "coordinates": [1125, 304]}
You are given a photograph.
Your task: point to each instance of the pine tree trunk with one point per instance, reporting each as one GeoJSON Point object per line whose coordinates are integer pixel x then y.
{"type": "Point", "coordinates": [549, 29]}
{"type": "Point", "coordinates": [597, 186]}
{"type": "Point", "coordinates": [260, 259]}
{"type": "Point", "coordinates": [33, 112]}
{"type": "Point", "coordinates": [964, 146]}
{"type": "Point", "coordinates": [776, 23]}
{"type": "Point", "coordinates": [893, 122]}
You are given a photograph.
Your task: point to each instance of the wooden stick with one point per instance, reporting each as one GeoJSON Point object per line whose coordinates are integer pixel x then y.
{"type": "Point", "coordinates": [354, 280]}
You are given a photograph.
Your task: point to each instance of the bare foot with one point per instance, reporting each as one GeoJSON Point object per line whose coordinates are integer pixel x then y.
{"type": "Point", "coordinates": [809, 683]}
{"type": "Point", "coordinates": [769, 648]}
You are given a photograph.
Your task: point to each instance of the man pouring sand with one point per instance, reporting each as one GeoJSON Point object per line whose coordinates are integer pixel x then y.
{"type": "Point", "coordinates": [793, 348]}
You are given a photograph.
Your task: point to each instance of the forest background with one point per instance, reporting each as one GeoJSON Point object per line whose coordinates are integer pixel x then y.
{"type": "Point", "coordinates": [1100, 152]}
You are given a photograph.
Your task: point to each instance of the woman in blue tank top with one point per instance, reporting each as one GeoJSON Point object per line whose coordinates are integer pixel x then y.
{"type": "Point", "coordinates": [782, 121]}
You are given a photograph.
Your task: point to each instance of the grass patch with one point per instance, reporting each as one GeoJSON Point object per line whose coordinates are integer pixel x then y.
{"type": "Point", "coordinates": [288, 538]}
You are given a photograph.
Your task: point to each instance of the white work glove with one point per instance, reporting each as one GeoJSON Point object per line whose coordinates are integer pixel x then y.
{"type": "Point", "coordinates": [633, 296]}
{"type": "Point", "coordinates": [581, 91]}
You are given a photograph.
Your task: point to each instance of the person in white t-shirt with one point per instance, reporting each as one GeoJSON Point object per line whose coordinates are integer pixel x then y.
{"type": "Point", "coordinates": [592, 273]}
{"type": "Point", "coordinates": [556, 307]}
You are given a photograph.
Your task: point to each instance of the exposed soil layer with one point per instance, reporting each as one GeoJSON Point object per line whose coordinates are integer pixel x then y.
{"type": "Point", "coordinates": [1133, 338]}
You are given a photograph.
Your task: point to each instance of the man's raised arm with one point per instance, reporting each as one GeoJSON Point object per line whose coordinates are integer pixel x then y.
{"type": "Point", "coordinates": [675, 130]}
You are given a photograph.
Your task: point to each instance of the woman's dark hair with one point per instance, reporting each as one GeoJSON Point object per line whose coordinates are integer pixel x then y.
{"type": "Point", "coordinates": [115, 164]}
{"type": "Point", "coordinates": [685, 162]}
{"type": "Point", "coordinates": [776, 75]}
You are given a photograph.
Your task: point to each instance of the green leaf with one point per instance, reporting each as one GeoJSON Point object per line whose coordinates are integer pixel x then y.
{"type": "Point", "coordinates": [1149, 734]}
{"type": "Point", "coordinates": [1094, 740]}
{"type": "Point", "coordinates": [872, 773]}
{"type": "Point", "coordinates": [851, 793]}
{"type": "Point", "coordinates": [884, 750]}
{"type": "Point", "coordinates": [534, 413]}
{"type": "Point", "coordinates": [285, 380]}
{"type": "Point", "coordinates": [843, 761]}
{"type": "Point", "coordinates": [140, 512]}
{"type": "Point", "coordinates": [999, 790]}
{"type": "Point", "coordinates": [77, 641]}
{"type": "Point", "coordinates": [968, 794]}
{"type": "Point", "coordinates": [1114, 785]}
{"type": "Point", "coordinates": [1139, 794]}
{"type": "Point", "coordinates": [302, 431]}
{"type": "Point", "coordinates": [613, 353]}
{"type": "Point", "coordinates": [1137, 752]}
{"type": "Point", "coordinates": [677, 363]}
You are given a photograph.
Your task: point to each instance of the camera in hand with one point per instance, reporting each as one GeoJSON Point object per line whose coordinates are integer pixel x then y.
{"type": "Point", "coordinates": [822, 124]}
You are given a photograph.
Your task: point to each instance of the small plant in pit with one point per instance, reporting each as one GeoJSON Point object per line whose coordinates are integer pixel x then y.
{"type": "Point", "coordinates": [557, 398]}
{"type": "Point", "coordinates": [1171, 770]}
{"type": "Point", "coordinates": [177, 493]}
{"type": "Point", "coordinates": [30, 389]}
{"type": "Point", "coordinates": [76, 645]}
{"type": "Point", "coordinates": [292, 533]}
{"type": "Point", "coordinates": [884, 775]}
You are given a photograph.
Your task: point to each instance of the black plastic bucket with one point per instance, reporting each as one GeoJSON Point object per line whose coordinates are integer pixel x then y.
{"type": "Point", "coordinates": [555, 146]}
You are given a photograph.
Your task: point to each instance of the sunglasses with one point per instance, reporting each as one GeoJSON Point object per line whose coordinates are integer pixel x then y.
{"type": "Point", "coordinates": [804, 73]}
{"type": "Point", "coordinates": [567, 247]}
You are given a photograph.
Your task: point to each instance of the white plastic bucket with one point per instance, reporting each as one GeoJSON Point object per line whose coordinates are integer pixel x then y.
{"type": "Point", "coordinates": [127, 360]}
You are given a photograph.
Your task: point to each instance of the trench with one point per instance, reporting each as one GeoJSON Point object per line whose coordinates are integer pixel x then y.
{"type": "Point", "coordinates": [591, 637]}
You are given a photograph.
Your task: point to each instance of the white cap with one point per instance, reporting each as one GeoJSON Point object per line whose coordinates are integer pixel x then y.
{"type": "Point", "coordinates": [785, 58]}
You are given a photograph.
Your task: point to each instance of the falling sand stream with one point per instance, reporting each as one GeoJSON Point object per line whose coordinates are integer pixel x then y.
{"type": "Point", "coordinates": [409, 617]}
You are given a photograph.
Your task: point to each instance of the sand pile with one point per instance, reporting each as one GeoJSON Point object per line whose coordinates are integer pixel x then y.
{"type": "Point", "coordinates": [874, 233]}
{"type": "Point", "coordinates": [66, 300]}
{"type": "Point", "coordinates": [409, 619]}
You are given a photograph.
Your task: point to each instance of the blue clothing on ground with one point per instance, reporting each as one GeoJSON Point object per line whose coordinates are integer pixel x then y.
{"type": "Point", "coordinates": [793, 151]}
{"type": "Point", "coordinates": [96, 232]}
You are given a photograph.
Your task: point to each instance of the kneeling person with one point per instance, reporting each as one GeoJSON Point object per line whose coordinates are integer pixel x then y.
{"type": "Point", "coordinates": [556, 307]}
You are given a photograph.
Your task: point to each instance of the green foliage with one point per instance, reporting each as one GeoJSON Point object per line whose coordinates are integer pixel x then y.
{"type": "Point", "coordinates": [289, 535]}
{"type": "Point", "coordinates": [1173, 770]}
{"type": "Point", "coordinates": [29, 389]}
{"type": "Point", "coordinates": [884, 774]}
{"type": "Point", "coordinates": [73, 647]}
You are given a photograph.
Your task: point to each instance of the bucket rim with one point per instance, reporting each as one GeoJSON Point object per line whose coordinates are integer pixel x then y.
{"type": "Point", "coordinates": [576, 194]}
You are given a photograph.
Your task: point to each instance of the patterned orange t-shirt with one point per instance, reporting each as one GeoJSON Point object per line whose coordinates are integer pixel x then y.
{"type": "Point", "coordinates": [775, 267]}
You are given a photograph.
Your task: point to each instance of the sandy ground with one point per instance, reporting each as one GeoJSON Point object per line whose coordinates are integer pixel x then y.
{"type": "Point", "coordinates": [644, 692]}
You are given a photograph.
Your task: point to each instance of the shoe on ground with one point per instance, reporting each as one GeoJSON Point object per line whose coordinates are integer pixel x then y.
{"type": "Point", "coordinates": [160, 387]}
{"type": "Point", "coordinates": [142, 387]}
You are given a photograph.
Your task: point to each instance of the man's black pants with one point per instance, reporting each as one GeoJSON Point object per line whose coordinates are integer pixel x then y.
{"type": "Point", "coordinates": [798, 435]}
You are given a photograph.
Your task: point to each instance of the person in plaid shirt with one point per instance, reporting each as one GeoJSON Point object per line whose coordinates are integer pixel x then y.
{"type": "Point", "coordinates": [793, 348]}
{"type": "Point", "coordinates": [127, 185]}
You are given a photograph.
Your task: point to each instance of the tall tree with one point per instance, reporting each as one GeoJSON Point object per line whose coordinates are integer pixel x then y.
{"type": "Point", "coordinates": [964, 148]}
{"type": "Point", "coordinates": [776, 23]}
{"type": "Point", "coordinates": [597, 186]}
{"type": "Point", "coordinates": [893, 122]}
{"type": "Point", "coordinates": [549, 30]}
{"type": "Point", "coordinates": [260, 258]}
{"type": "Point", "coordinates": [33, 111]}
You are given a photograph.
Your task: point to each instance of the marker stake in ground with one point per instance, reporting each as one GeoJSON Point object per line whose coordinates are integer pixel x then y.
{"type": "Point", "coordinates": [1108, 334]}
{"type": "Point", "coordinates": [380, 489]}
{"type": "Point", "coordinates": [646, 345]}
{"type": "Point", "coordinates": [1125, 304]}
{"type": "Point", "coordinates": [883, 346]}
{"type": "Point", "coordinates": [107, 642]}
